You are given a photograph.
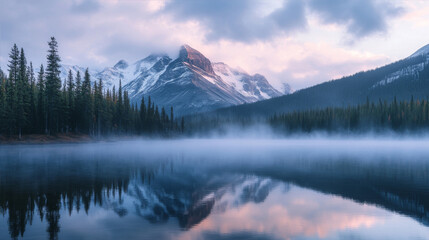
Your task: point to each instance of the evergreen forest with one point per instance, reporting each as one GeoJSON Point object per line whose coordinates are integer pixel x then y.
{"type": "Point", "coordinates": [42, 103]}
{"type": "Point", "coordinates": [398, 116]}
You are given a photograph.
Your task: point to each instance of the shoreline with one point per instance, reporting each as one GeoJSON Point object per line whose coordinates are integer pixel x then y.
{"type": "Point", "coordinates": [41, 139]}
{"type": "Point", "coordinates": [46, 139]}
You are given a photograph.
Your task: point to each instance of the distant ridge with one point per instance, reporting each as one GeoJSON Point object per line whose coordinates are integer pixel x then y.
{"type": "Point", "coordinates": [402, 79]}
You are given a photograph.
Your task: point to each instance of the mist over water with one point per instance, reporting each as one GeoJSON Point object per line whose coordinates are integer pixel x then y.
{"type": "Point", "coordinates": [217, 188]}
{"type": "Point", "coordinates": [259, 129]}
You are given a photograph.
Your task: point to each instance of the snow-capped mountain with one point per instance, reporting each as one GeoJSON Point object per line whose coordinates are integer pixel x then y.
{"type": "Point", "coordinates": [190, 83]}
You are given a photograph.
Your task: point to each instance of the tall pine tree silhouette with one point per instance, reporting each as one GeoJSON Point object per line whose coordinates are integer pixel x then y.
{"type": "Point", "coordinates": [53, 87]}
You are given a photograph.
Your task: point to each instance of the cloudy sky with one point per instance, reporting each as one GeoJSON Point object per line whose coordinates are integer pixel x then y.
{"type": "Point", "coordinates": [301, 42]}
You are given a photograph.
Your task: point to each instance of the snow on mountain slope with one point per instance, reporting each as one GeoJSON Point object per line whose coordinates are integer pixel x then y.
{"type": "Point", "coordinates": [408, 71]}
{"type": "Point", "coordinates": [412, 71]}
{"type": "Point", "coordinates": [141, 69]}
{"type": "Point", "coordinates": [191, 83]}
{"type": "Point", "coordinates": [147, 71]}
{"type": "Point", "coordinates": [65, 68]}
{"type": "Point", "coordinates": [422, 51]}
{"type": "Point", "coordinates": [255, 87]}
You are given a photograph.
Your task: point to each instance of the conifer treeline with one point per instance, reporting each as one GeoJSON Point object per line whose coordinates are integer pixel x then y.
{"type": "Point", "coordinates": [397, 116]}
{"type": "Point", "coordinates": [45, 105]}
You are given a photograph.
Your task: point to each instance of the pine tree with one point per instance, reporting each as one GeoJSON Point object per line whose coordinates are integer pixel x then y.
{"type": "Point", "coordinates": [22, 93]}
{"type": "Point", "coordinates": [157, 120]}
{"type": "Point", "coordinates": [63, 106]}
{"type": "Point", "coordinates": [86, 102]}
{"type": "Point", "coordinates": [119, 107]}
{"type": "Point", "coordinates": [41, 102]}
{"type": "Point", "coordinates": [142, 115]}
{"type": "Point", "coordinates": [70, 101]}
{"type": "Point", "coordinates": [163, 115]}
{"type": "Point", "coordinates": [53, 86]}
{"type": "Point", "coordinates": [109, 112]}
{"type": "Point", "coordinates": [149, 115]}
{"type": "Point", "coordinates": [11, 89]}
{"type": "Point", "coordinates": [32, 98]}
{"type": "Point", "coordinates": [13, 64]}
{"type": "Point", "coordinates": [127, 112]}
{"type": "Point", "coordinates": [163, 119]}
{"type": "Point", "coordinates": [171, 118]}
{"type": "Point", "coordinates": [3, 103]}
{"type": "Point", "coordinates": [98, 105]}
{"type": "Point", "coordinates": [77, 113]}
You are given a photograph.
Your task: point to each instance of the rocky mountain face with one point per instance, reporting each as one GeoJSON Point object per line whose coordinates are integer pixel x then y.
{"type": "Point", "coordinates": [190, 83]}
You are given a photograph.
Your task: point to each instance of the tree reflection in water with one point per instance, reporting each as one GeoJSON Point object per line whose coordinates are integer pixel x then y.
{"type": "Point", "coordinates": [188, 187]}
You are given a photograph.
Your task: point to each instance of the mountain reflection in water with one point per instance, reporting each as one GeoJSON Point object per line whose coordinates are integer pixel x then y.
{"type": "Point", "coordinates": [208, 189]}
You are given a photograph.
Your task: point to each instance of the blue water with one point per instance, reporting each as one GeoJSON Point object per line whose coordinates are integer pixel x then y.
{"type": "Point", "coordinates": [216, 189]}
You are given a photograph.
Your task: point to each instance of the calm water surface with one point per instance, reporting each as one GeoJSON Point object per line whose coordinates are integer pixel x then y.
{"type": "Point", "coordinates": [216, 189]}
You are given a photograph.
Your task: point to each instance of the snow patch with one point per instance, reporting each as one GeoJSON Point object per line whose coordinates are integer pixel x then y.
{"type": "Point", "coordinates": [422, 51]}
{"type": "Point", "coordinates": [412, 70]}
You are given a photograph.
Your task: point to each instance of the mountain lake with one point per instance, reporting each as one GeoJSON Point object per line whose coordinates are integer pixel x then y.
{"type": "Point", "coordinates": [216, 189]}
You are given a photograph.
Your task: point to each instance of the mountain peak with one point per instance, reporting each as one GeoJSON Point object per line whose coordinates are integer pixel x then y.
{"type": "Point", "coordinates": [155, 57]}
{"type": "Point", "coordinates": [194, 57]}
{"type": "Point", "coordinates": [122, 64]}
{"type": "Point", "coordinates": [422, 51]}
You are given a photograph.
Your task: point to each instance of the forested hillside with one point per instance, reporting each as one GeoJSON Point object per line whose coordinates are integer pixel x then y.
{"type": "Point", "coordinates": [396, 116]}
{"type": "Point", "coordinates": [401, 79]}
